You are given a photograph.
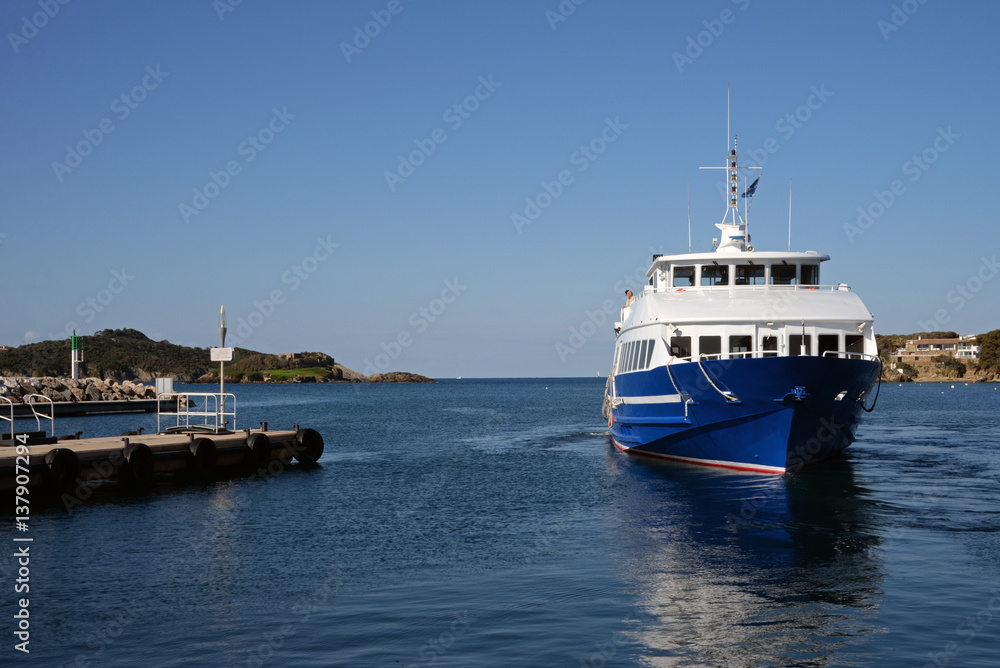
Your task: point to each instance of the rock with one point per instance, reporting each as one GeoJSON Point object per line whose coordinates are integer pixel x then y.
{"type": "Point", "coordinates": [54, 395]}
{"type": "Point", "coordinates": [92, 393]}
{"type": "Point", "coordinates": [78, 394]}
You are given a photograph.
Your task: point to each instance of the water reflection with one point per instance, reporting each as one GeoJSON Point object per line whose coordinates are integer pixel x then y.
{"type": "Point", "coordinates": [745, 569]}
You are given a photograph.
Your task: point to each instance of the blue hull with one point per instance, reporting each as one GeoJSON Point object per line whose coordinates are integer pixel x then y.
{"type": "Point", "coordinates": [782, 413]}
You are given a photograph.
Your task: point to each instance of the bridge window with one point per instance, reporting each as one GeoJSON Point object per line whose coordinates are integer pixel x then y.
{"type": "Point", "coordinates": [680, 346]}
{"type": "Point", "coordinates": [740, 344]}
{"type": "Point", "coordinates": [795, 344]}
{"type": "Point", "coordinates": [649, 353]}
{"type": "Point", "coordinates": [810, 274]}
{"type": "Point", "coordinates": [749, 274]}
{"type": "Point", "coordinates": [782, 274]}
{"type": "Point", "coordinates": [683, 277]}
{"type": "Point", "coordinates": [709, 345]}
{"type": "Point", "coordinates": [828, 342]}
{"type": "Point", "coordinates": [770, 343]}
{"type": "Point", "coordinates": [712, 274]}
{"type": "Point", "coordinates": [641, 364]}
{"type": "Point", "coordinates": [855, 343]}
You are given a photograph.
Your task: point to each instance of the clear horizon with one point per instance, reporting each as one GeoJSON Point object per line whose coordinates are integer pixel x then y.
{"type": "Point", "coordinates": [466, 189]}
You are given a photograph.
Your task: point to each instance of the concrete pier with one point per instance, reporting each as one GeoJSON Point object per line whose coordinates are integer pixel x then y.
{"type": "Point", "coordinates": [51, 466]}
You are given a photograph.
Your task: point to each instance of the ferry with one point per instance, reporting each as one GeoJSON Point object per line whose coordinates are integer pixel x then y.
{"type": "Point", "coordinates": [739, 358]}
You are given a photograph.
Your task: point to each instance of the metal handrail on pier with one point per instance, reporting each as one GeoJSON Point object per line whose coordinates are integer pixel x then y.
{"type": "Point", "coordinates": [214, 411]}
{"type": "Point", "coordinates": [11, 418]}
{"type": "Point", "coordinates": [51, 417]}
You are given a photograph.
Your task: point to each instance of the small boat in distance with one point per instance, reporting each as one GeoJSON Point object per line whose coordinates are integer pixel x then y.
{"type": "Point", "coordinates": [739, 358]}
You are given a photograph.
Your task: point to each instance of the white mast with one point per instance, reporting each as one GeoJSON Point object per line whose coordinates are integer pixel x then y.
{"type": "Point", "coordinates": [734, 227]}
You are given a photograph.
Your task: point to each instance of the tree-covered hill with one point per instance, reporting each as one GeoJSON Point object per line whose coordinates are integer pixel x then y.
{"type": "Point", "coordinates": [128, 354]}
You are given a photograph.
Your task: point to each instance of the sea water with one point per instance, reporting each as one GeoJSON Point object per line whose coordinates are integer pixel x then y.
{"type": "Point", "coordinates": [491, 522]}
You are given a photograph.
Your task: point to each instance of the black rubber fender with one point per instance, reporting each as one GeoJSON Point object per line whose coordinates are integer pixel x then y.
{"type": "Point", "coordinates": [138, 468]}
{"type": "Point", "coordinates": [258, 453]}
{"type": "Point", "coordinates": [309, 446]}
{"type": "Point", "coordinates": [203, 457]}
{"type": "Point", "coordinates": [62, 469]}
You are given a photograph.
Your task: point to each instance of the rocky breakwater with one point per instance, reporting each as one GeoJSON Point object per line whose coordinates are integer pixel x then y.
{"type": "Point", "coordinates": [73, 389]}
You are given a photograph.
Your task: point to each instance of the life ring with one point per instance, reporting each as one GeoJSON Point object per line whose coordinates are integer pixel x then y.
{"type": "Point", "coordinates": [63, 469]}
{"type": "Point", "coordinates": [680, 290]}
{"type": "Point", "coordinates": [138, 469]}
{"type": "Point", "coordinates": [258, 453]}
{"type": "Point", "coordinates": [203, 457]}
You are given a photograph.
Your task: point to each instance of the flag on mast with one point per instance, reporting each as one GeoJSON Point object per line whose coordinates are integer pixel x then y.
{"type": "Point", "coordinates": [752, 189]}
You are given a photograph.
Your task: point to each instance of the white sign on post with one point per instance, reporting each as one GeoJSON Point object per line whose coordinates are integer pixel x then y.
{"type": "Point", "coordinates": [222, 354]}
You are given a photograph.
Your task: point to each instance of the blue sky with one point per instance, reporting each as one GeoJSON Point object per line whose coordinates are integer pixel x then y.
{"type": "Point", "coordinates": [162, 159]}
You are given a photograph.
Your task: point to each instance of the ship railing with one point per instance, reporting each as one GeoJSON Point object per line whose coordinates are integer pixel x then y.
{"type": "Point", "coordinates": [214, 410]}
{"type": "Point", "coordinates": [843, 354]}
{"type": "Point", "coordinates": [33, 399]}
{"type": "Point", "coordinates": [841, 287]}
{"type": "Point", "coordinates": [757, 353]}
{"type": "Point", "coordinates": [738, 354]}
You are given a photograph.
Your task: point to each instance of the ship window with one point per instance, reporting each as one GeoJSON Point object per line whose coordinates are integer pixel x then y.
{"type": "Point", "coordinates": [683, 277]}
{"type": "Point", "coordinates": [855, 343]}
{"type": "Point", "coordinates": [680, 346]}
{"type": "Point", "coordinates": [795, 344]}
{"type": "Point", "coordinates": [770, 343]}
{"type": "Point", "coordinates": [810, 274]}
{"type": "Point", "coordinates": [712, 274]}
{"type": "Point", "coordinates": [631, 356]}
{"type": "Point", "coordinates": [749, 274]}
{"type": "Point", "coordinates": [649, 353]}
{"type": "Point", "coordinates": [782, 274]}
{"type": "Point", "coordinates": [709, 345]}
{"type": "Point", "coordinates": [828, 342]}
{"type": "Point", "coordinates": [740, 346]}
{"type": "Point", "coordinates": [642, 355]}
